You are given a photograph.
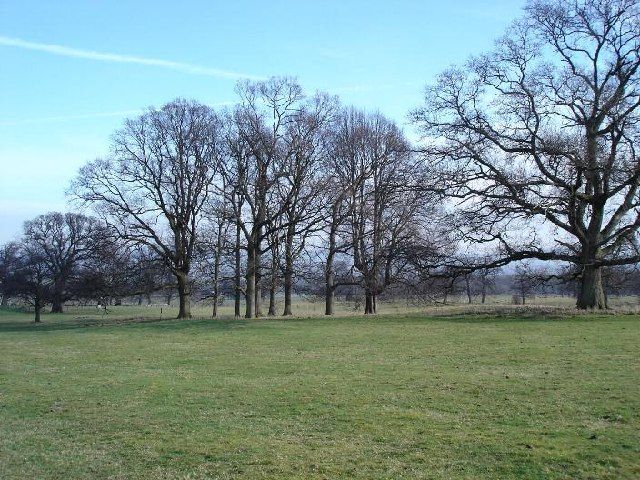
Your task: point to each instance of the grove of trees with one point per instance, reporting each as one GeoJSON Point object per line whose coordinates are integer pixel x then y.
{"type": "Point", "coordinates": [528, 152]}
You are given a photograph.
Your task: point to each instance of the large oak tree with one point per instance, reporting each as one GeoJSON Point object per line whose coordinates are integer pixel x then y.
{"type": "Point", "coordinates": [152, 189]}
{"type": "Point", "coordinates": [538, 139]}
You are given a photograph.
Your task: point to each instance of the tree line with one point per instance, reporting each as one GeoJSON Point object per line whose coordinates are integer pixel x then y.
{"type": "Point", "coordinates": [528, 153]}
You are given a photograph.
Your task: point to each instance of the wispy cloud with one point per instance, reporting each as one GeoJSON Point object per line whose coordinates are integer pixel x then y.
{"type": "Point", "coordinates": [83, 116]}
{"type": "Point", "coordinates": [61, 50]}
{"type": "Point", "coordinates": [67, 118]}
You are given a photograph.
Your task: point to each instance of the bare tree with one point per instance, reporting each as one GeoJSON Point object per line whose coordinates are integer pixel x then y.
{"type": "Point", "coordinates": [62, 241]}
{"type": "Point", "coordinates": [258, 146]}
{"type": "Point", "coordinates": [9, 260]}
{"type": "Point", "coordinates": [32, 278]}
{"type": "Point", "coordinates": [385, 206]}
{"type": "Point", "coordinates": [541, 134]}
{"type": "Point", "coordinates": [487, 281]}
{"type": "Point", "coordinates": [301, 188]}
{"type": "Point", "coordinates": [215, 248]}
{"type": "Point", "coordinates": [527, 280]}
{"type": "Point", "coordinates": [152, 189]}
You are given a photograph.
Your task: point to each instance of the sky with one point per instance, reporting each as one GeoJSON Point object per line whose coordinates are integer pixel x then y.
{"type": "Point", "coordinates": [72, 71]}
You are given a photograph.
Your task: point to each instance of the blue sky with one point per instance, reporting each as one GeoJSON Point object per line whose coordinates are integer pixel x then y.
{"type": "Point", "coordinates": [71, 71]}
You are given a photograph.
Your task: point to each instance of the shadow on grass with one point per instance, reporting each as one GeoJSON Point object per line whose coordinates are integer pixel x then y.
{"type": "Point", "coordinates": [80, 323]}
{"type": "Point", "coordinates": [52, 323]}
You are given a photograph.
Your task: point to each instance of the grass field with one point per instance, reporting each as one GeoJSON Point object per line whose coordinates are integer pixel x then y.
{"type": "Point", "coordinates": [397, 396]}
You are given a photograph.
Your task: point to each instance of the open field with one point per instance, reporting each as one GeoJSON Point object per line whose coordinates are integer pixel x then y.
{"type": "Point", "coordinates": [395, 396]}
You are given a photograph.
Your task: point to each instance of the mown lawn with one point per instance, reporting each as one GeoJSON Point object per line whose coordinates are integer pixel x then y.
{"type": "Point", "coordinates": [387, 397]}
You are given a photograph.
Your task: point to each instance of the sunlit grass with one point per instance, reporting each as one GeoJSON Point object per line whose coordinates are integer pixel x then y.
{"type": "Point", "coordinates": [392, 396]}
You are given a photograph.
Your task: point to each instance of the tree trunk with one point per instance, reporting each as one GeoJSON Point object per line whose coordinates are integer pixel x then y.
{"type": "Point", "coordinates": [258, 280]}
{"type": "Point", "coordinates": [288, 281]}
{"type": "Point", "coordinates": [38, 307]}
{"type": "Point", "coordinates": [184, 295]}
{"type": "Point", "coordinates": [329, 293]}
{"type": "Point", "coordinates": [272, 300]}
{"type": "Point", "coordinates": [591, 293]}
{"type": "Point", "coordinates": [56, 304]}
{"type": "Point", "coordinates": [329, 278]}
{"type": "Point", "coordinates": [368, 303]}
{"type": "Point", "coordinates": [237, 289]}
{"type": "Point", "coordinates": [273, 276]}
{"type": "Point", "coordinates": [288, 270]}
{"type": "Point", "coordinates": [216, 285]}
{"type": "Point", "coordinates": [467, 283]}
{"type": "Point", "coordinates": [3, 302]}
{"type": "Point", "coordinates": [250, 281]}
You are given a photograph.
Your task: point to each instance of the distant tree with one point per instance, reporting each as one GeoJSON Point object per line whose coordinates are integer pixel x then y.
{"type": "Point", "coordinates": [62, 242]}
{"type": "Point", "coordinates": [9, 261]}
{"type": "Point", "coordinates": [538, 139]}
{"type": "Point", "coordinates": [527, 280]}
{"type": "Point", "coordinates": [152, 189]}
{"type": "Point", "coordinates": [33, 280]}
{"type": "Point", "coordinates": [487, 280]}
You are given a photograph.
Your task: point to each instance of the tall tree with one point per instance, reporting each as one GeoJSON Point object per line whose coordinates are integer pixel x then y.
{"type": "Point", "coordinates": [385, 206]}
{"type": "Point", "coordinates": [300, 191]}
{"type": "Point", "coordinates": [152, 189]}
{"type": "Point", "coordinates": [257, 142]}
{"type": "Point", "coordinates": [542, 133]}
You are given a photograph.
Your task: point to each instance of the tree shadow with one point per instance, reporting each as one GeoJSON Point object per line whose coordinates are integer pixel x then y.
{"type": "Point", "coordinates": [88, 323]}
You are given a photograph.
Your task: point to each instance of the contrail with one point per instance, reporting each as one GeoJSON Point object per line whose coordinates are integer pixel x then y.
{"type": "Point", "coordinates": [118, 58]}
{"type": "Point", "coordinates": [65, 118]}
{"type": "Point", "coordinates": [82, 116]}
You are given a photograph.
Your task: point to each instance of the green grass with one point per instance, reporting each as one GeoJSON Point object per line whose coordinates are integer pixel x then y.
{"type": "Point", "coordinates": [387, 397]}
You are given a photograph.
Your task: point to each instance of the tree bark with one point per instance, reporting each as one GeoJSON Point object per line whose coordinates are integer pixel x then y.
{"type": "Point", "coordinates": [184, 295]}
{"type": "Point", "coordinates": [237, 289]}
{"type": "Point", "coordinates": [288, 281]}
{"type": "Point", "coordinates": [273, 277]}
{"type": "Point", "coordinates": [250, 278]}
{"type": "Point", "coordinates": [258, 278]}
{"type": "Point", "coordinates": [329, 293]}
{"type": "Point", "coordinates": [56, 301]}
{"type": "Point", "coordinates": [38, 308]}
{"type": "Point", "coordinates": [216, 284]}
{"type": "Point", "coordinates": [214, 311]}
{"type": "Point", "coordinates": [591, 295]}
{"type": "Point", "coordinates": [369, 306]}
{"type": "Point", "coordinates": [329, 279]}
{"type": "Point", "coordinates": [272, 300]}
{"type": "Point", "coordinates": [288, 271]}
